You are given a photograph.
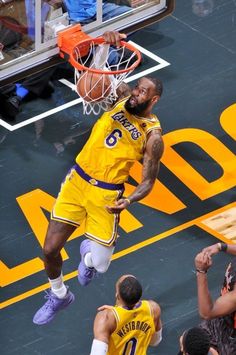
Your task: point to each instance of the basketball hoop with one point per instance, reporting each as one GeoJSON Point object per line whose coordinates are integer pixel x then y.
{"type": "Point", "coordinates": [99, 67]}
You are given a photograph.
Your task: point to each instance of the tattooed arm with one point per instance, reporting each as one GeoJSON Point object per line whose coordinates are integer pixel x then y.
{"type": "Point", "coordinates": [122, 91]}
{"type": "Point", "coordinates": [151, 162]}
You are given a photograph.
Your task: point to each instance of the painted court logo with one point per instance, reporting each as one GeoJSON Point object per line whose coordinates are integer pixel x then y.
{"type": "Point", "coordinates": [163, 198]}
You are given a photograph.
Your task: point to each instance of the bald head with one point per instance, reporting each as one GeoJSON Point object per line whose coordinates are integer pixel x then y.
{"type": "Point", "coordinates": [123, 277]}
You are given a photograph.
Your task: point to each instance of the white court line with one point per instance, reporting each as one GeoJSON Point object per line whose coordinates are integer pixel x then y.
{"type": "Point", "coordinates": [68, 83]}
{"type": "Point", "coordinates": [161, 64]}
{"type": "Point", "coordinates": [44, 114]}
{"type": "Point", "coordinates": [5, 125]}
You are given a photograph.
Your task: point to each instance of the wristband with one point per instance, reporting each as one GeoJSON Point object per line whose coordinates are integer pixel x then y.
{"type": "Point", "coordinates": [223, 247]}
{"type": "Point", "coordinates": [99, 347]}
{"type": "Point", "coordinates": [128, 200]}
{"type": "Point", "coordinates": [156, 338]}
{"type": "Point", "coordinates": [201, 271]}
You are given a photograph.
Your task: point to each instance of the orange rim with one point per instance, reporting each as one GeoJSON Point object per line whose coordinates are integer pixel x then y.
{"type": "Point", "coordinates": [100, 40]}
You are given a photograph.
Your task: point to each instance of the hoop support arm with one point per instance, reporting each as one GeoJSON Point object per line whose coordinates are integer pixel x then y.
{"type": "Point", "coordinates": [69, 38]}
{"type": "Point", "coordinates": [73, 38]}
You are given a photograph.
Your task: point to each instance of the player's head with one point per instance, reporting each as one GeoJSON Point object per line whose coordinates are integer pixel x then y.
{"type": "Point", "coordinates": [195, 341]}
{"type": "Point", "coordinates": [128, 290]}
{"type": "Point", "coordinates": [144, 96]}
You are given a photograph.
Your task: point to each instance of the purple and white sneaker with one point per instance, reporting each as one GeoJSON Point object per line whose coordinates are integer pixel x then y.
{"type": "Point", "coordinates": [53, 305]}
{"type": "Point", "coordinates": [86, 274]}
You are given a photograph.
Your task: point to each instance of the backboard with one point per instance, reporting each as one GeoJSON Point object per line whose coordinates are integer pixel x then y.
{"type": "Point", "coordinates": [29, 28]}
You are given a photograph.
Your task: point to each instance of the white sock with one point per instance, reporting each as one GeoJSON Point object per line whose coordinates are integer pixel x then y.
{"type": "Point", "coordinates": [58, 287]}
{"type": "Point", "coordinates": [88, 260]}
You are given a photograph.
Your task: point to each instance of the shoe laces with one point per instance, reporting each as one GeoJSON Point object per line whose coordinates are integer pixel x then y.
{"type": "Point", "coordinates": [90, 271]}
{"type": "Point", "coordinates": [50, 300]}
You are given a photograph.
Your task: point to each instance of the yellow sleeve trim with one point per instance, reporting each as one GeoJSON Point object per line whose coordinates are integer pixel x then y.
{"type": "Point", "coordinates": [116, 316]}
{"type": "Point", "coordinates": [153, 128]}
{"type": "Point", "coordinates": [150, 309]}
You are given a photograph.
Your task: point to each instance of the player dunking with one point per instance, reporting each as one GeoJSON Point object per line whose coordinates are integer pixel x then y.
{"type": "Point", "coordinates": [129, 327]}
{"type": "Point", "coordinates": [93, 188]}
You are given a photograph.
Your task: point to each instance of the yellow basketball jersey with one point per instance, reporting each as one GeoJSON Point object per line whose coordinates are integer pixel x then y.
{"type": "Point", "coordinates": [117, 140]}
{"type": "Point", "coordinates": [134, 330]}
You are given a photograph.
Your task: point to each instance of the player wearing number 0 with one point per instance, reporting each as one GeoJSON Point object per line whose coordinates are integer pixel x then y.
{"type": "Point", "coordinates": [93, 189]}
{"type": "Point", "coordinates": [130, 326]}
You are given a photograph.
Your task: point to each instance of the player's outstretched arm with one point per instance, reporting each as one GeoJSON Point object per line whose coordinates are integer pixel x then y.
{"type": "Point", "coordinates": [151, 162]}
{"type": "Point", "coordinates": [123, 91]}
{"type": "Point", "coordinates": [156, 311]}
{"type": "Point", "coordinates": [209, 309]}
{"type": "Point", "coordinates": [104, 325]}
{"type": "Point", "coordinates": [223, 306]}
{"type": "Point", "coordinates": [216, 248]}
{"type": "Point", "coordinates": [114, 37]}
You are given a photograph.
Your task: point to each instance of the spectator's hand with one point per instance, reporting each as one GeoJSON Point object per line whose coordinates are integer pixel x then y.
{"type": "Point", "coordinates": [211, 250]}
{"type": "Point", "coordinates": [120, 205]}
{"type": "Point", "coordinates": [203, 261]}
{"type": "Point", "coordinates": [114, 37]}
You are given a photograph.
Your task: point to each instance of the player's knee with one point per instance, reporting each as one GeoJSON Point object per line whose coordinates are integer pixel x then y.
{"type": "Point", "coordinates": [50, 251]}
{"type": "Point", "coordinates": [101, 267]}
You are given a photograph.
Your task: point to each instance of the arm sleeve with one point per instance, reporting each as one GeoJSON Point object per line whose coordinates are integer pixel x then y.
{"type": "Point", "coordinates": [99, 347]}
{"type": "Point", "coordinates": [156, 338]}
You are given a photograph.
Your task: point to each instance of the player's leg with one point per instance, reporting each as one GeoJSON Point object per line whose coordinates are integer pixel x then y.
{"type": "Point", "coordinates": [101, 256]}
{"type": "Point", "coordinates": [95, 258]}
{"type": "Point", "coordinates": [66, 216]}
{"type": "Point", "coordinates": [56, 237]}
{"type": "Point", "coordinates": [59, 296]}
{"type": "Point", "coordinates": [101, 229]}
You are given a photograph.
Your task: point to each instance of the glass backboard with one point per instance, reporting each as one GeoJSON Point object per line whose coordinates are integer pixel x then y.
{"type": "Point", "coordinates": [28, 28]}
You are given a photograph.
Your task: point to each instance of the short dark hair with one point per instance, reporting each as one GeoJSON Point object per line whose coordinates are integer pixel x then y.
{"type": "Point", "coordinates": [196, 341]}
{"type": "Point", "coordinates": [130, 291]}
{"type": "Point", "coordinates": [157, 83]}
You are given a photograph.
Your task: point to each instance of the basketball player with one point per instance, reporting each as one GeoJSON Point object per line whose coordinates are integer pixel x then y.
{"type": "Point", "coordinates": [195, 341]}
{"type": "Point", "coordinates": [220, 316]}
{"type": "Point", "coordinates": [130, 326]}
{"type": "Point", "coordinates": [93, 189]}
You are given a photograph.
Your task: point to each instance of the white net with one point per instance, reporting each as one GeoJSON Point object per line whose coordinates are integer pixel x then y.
{"type": "Point", "coordinates": [98, 91]}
